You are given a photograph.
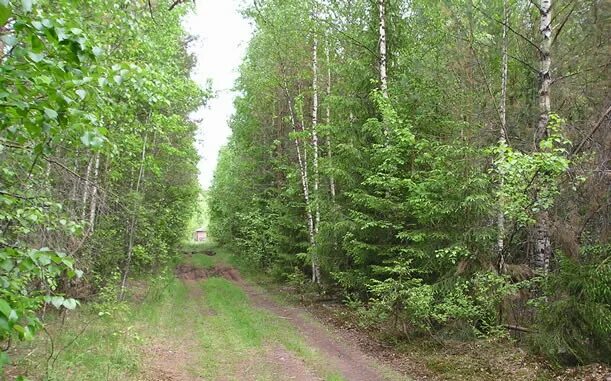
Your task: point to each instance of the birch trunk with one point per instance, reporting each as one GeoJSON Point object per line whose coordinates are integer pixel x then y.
{"type": "Point", "coordinates": [133, 223]}
{"type": "Point", "coordinates": [503, 132]}
{"type": "Point", "coordinates": [382, 52]}
{"type": "Point", "coordinates": [328, 122]}
{"type": "Point", "coordinates": [86, 188]}
{"type": "Point", "coordinates": [76, 182]}
{"type": "Point", "coordinates": [315, 261]}
{"type": "Point", "coordinates": [543, 248]}
{"type": "Point", "coordinates": [94, 193]}
{"type": "Point", "coordinates": [303, 169]}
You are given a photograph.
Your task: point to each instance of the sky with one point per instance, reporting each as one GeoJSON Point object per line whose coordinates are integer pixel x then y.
{"type": "Point", "coordinates": [222, 37]}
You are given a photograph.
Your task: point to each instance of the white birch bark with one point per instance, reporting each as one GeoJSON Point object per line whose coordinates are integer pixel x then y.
{"type": "Point", "coordinates": [86, 189]}
{"type": "Point", "coordinates": [94, 193]}
{"type": "Point", "coordinates": [76, 182]}
{"type": "Point", "coordinates": [328, 122]}
{"type": "Point", "coordinates": [503, 132]}
{"type": "Point", "coordinates": [315, 261]}
{"type": "Point", "coordinates": [382, 45]}
{"type": "Point", "coordinates": [543, 248]}
{"type": "Point", "coordinates": [303, 169]}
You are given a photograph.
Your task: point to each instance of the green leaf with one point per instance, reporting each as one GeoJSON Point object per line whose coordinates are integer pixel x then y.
{"type": "Point", "coordinates": [5, 13]}
{"type": "Point", "coordinates": [61, 34]}
{"type": "Point", "coordinates": [5, 308]}
{"type": "Point", "coordinates": [97, 51]}
{"type": "Point", "coordinates": [44, 260]}
{"type": "Point", "coordinates": [4, 326]}
{"type": "Point", "coordinates": [51, 114]}
{"type": "Point", "coordinates": [36, 57]}
{"type": "Point", "coordinates": [4, 360]}
{"type": "Point", "coordinates": [81, 93]}
{"type": "Point", "coordinates": [57, 301]}
{"type": "Point", "coordinates": [37, 25]}
{"type": "Point", "coordinates": [70, 303]}
{"type": "Point", "coordinates": [7, 265]}
{"type": "Point", "coordinates": [13, 317]}
{"type": "Point", "coordinates": [26, 5]}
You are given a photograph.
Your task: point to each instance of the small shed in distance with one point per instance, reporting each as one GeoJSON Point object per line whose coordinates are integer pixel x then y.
{"type": "Point", "coordinates": [200, 235]}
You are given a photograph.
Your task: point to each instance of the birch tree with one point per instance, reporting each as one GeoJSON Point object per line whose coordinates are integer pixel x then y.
{"type": "Point", "coordinates": [542, 244]}
{"type": "Point", "coordinates": [94, 192]}
{"type": "Point", "coordinates": [303, 172]}
{"type": "Point", "coordinates": [328, 120]}
{"type": "Point", "coordinates": [503, 129]}
{"type": "Point", "coordinates": [315, 260]}
{"type": "Point", "coordinates": [382, 48]}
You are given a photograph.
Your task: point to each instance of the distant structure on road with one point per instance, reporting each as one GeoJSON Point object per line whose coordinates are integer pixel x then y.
{"type": "Point", "coordinates": [200, 235]}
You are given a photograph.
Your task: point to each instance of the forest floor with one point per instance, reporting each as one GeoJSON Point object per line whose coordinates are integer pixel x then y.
{"type": "Point", "coordinates": [206, 322]}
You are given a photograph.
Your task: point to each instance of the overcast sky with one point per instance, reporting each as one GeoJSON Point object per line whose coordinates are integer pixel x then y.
{"type": "Point", "coordinates": [222, 40]}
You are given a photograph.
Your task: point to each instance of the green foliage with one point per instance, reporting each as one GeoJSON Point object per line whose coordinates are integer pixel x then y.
{"type": "Point", "coordinates": [574, 323]}
{"type": "Point", "coordinates": [531, 180]}
{"type": "Point", "coordinates": [402, 297]}
{"type": "Point", "coordinates": [96, 150]}
{"type": "Point", "coordinates": [421, 220]}
{"type": "Point", "coordinates": [18, 303]}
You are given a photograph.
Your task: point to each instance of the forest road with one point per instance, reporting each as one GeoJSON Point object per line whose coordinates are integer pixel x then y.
{"type": "Point", "coordinates": [342, 354]}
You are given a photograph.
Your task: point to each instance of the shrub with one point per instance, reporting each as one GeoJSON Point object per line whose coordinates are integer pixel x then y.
{"type": "Point", "coordinates": [574, 313]}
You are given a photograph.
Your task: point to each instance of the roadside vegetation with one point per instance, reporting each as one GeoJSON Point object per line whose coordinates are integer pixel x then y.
{"type": "Point", "coordinates": [441, 168]}
{"type": "Point", "coordinates": [194, 328]}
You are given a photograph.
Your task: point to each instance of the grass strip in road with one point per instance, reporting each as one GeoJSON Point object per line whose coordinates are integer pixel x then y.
{"type": "Point", "coordinates": [211, 321]}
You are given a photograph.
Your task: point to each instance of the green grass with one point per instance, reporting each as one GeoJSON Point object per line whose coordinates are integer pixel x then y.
{"type": "Point", "coordinates": [211, 320]}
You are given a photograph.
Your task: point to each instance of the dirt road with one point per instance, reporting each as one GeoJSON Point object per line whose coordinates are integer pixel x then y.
{"type": "Point", "coordinates": [341, 356]}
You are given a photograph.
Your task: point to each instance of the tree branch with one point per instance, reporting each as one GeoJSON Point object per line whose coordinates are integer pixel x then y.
{"type": "Point", "coordinates": [508, 27]}
{"type": "Point", "coordinates": [596, 127]}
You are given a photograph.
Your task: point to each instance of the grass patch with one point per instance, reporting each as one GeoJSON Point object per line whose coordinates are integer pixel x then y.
{"type": "Point", "coordinates": [211, 320]}
{"type": "Point", "coordinates": [80, 346]}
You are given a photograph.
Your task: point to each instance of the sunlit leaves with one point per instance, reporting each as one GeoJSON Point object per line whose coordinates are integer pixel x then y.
{"type": "Point", "coordinates": [531, 180]}
{"type": "Point", "coordinates": [92, 138]}
{"type": "Point", "coordinates": [5, 11]}
{"type": "Point", "coordinates": [26, 5]}
{"type": "Point", "coordinates": [50, 113]}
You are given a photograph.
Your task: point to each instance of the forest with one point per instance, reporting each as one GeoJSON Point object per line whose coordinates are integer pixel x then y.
{"type": "Point", "coordinates": [441, 166]}
{"type": "Point", "coordinates": [438, 169]}
{"type": "Point", "coordinates": [98, 172]}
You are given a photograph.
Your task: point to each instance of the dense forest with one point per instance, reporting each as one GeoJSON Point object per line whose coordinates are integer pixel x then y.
{"type": "Point", "coordinates": [440, 166]}
{"type": "Point", "coordinates": [439, 169]}
{"type": "Point", "coordinates": [98, 174]}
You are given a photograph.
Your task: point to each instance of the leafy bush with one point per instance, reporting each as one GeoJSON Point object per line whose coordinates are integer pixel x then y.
{"type": "Point", "coordinates": [403, 299]}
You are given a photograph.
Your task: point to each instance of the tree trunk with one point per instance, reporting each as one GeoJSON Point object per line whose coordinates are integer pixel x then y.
{"type": "Point", "coordinates": [382, 52]}
{"type": "Point", "coordinates": [133, 223]}
{"type": "Point", "coordinates": [94, 193]}
{"type": "Point", "coordinates": [544, 71]}
{"type": "Point", "coordinates": [303, 169]}
{"type": "Point", "coordinates": [75, 182]}
{"type": "Point", "coordinates": [86, 189]}
{"type": "Point", "coordinates": [543, 248]}
{"type": "Point", "coordinates": [315, 261]}
{"type": "Point", "coordinates": [328, 122]}
{"type": "Point", "coordinates": [503, 132]}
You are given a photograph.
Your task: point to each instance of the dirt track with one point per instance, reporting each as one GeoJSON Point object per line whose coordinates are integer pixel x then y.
{"type": "Point", "coordinates": [341, 353]}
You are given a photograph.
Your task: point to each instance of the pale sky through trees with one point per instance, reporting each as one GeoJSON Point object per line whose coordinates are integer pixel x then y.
{"type": "Point", "coordinates": [222, 39]}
